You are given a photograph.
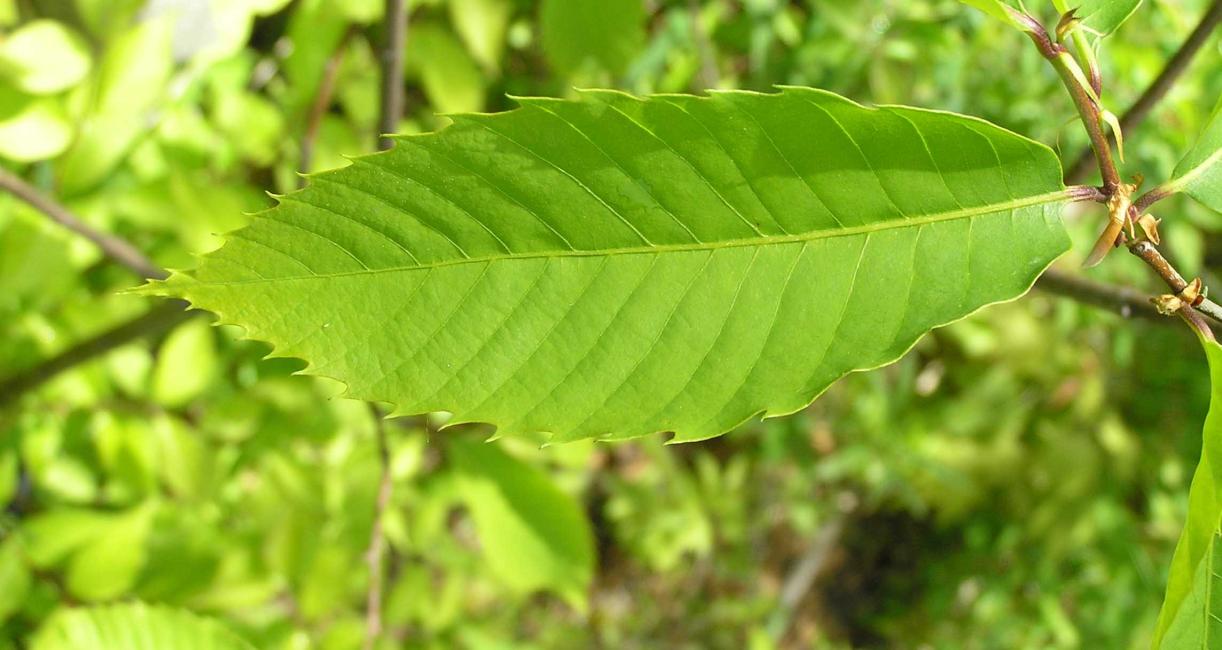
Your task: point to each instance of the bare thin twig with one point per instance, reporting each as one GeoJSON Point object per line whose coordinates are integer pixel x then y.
{"type": "Point", "coordinates": [1150, 254]}
{"type": "Point", "coordinates": [156, 320]}
{"type": "Point", "coordinates": [113, 247]}
{"type": "Point", "coordinates": [326, 90]}
{"type": "Point", "coordinates": [1176, 66]}
{"type": "Point", "coordinates": [391, 56]}
{"type": "Point", "coordinates": [377, 540]}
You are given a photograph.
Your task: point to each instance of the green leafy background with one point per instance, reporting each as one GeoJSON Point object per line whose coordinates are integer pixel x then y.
{"type": "Point", "coordinates": [1018, 480]}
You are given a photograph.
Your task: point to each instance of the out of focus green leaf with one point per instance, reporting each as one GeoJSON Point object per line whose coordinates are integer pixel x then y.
{"type": "Point", "coordinates": [32, 128]}
{"type": "Point", "coordinates": [14, 578]}
{"type": "Point", "coordinates": [482, 24]}
{"type": "Point", "coordinates": [186, 364]}
{"type": "Point", "coordinates": [580, 36]}
{"type": "Point", "coordinates": [253, 124]}
{"type": "Point", "coordinates": [128, 84]}
{"type": "Point", "coordinates": [358, 11]}
{"type": "Point", "coordinates": [451, 78]}
{"type": "Point", "coordinates": [315, 30]}
{"type": "Point", "coordinates": [107, 565]}
{"type": "Point", "coordinates": [8, 475]}
{"type": "Point", "coordinates": [1192, 610]}
{"type": "Point", "coordinates": [134, 626]}
{"type": "Point", "coordinates": [56, 534]}
{"type": "Point", "coordinates": [35, 257]}
{"type": "Point", "coordinates": [43, 57]}
{"type": "Point", "coordinates": [104, 552]}
{"type": "Point", "coordinates": [107, 18]}
{"type": "Point", "coordinates": [533, 535]}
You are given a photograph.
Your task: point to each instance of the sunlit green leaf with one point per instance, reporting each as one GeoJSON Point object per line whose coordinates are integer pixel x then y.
{"type": "Point", "coordinates": [533, 535]}
{"type": "Point", "coordinates": [613, 266]}
{"type": "Point", "coordinates": [1192, 610]}
{"type": "Point", "coordinates": [1199, 174]}
{"type": "Point", "coordinates": [43, 57]}
{"type": "Point", "coordinates": [134, 626]}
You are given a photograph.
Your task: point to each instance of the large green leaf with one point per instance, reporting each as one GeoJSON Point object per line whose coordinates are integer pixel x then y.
{"type": "Point", "coordinates": [134, 627]}
{"type": "Point", "coordinates": [1199, 174]}
{"type": "Point", "coordinates": [1193, 605]}
{"type": "Point", "coordinates": [614, 266]}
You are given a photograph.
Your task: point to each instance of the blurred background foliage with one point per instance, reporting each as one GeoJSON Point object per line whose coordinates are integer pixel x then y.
{"type": "Point", "coordinates": [1017, 481]}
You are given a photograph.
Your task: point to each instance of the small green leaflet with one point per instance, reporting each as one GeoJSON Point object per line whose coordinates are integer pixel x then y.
{"type": "Point", "coordinates": [1199, 174]}
{"type": "Point", "coordinates": [615, 266]}
{"type": "Point", "coordinates": [133, 626]}
{"type": "Point", "coordinates": [1101, 17]}
{"type": "Point", "coordinates": [1191, 609]}
{"type": "Point", "coordinates": [995, 8]}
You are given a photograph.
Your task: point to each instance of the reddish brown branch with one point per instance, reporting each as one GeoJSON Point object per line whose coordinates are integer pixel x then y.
{"type": "Point", "coordinates": [1175, 68]}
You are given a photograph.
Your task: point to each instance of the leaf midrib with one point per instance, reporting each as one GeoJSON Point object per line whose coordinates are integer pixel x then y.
{"type": "Point", "coordinates": [1191, 175]}
{"type": "Point", "coordinates": [772, 240]}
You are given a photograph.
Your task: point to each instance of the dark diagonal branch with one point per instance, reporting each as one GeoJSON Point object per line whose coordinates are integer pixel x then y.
{"type": "Point", "coordinates": [1128, 303]}
{"type": "Point", "coordinates": [116, 249]}
{"type": "Point", "coordinates": [154, 321]}
{"type": "Point", "coordinates": [1171, 72]}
